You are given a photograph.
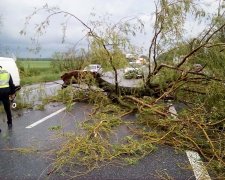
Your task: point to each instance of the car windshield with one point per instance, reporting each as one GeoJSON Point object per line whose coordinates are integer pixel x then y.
{"type": "Point", "coordinates": [135, 65]}
{"type": "Point", "coordinates": [92, 67]}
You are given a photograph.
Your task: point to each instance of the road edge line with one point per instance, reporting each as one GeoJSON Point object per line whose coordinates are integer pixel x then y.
{"type": "Point", "coordinates": [194, 158]}
{"type": "Point", "coordinates": [198, 167]}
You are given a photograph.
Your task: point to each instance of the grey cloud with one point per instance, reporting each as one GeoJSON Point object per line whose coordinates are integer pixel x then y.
{"type": "Point", "coordinates": [14, 13]}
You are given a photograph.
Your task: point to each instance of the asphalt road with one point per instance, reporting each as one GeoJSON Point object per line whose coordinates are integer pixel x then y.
{"type": "Point", "coordinates": [25, 150]}
{"type": "Point", "coordinates": [108, 76]}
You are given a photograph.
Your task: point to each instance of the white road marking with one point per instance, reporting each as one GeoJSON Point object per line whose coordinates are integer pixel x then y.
{"type": "Point", "coordinates": [45, 118]}
{"type": "Point", "coordinates": [197, 165]}
{"type": "Point", "coordinates": [173, 111]}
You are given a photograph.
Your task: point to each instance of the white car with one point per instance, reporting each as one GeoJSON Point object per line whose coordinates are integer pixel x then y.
{"type": "Point", "coordinates": [94, 68]}
{"type": "Point", "coordinates": [134, 71]}
{"type": "Point", "coordinates": [9, 64]}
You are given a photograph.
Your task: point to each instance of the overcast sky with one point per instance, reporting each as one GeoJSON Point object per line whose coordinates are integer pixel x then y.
{"type": "Point", "coordinates": [14, 12]}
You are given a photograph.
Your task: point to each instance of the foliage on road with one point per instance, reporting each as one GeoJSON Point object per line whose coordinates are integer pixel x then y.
{"type": "Point", "coordinates": [188, 71]}
{"type": "Point", "coordinates": [152, 125]}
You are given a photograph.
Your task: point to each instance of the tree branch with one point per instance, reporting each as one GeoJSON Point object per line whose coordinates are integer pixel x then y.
{"type": "Point", "coordinates": [146, 105]}
{"type": "Point", "coordinates": [199, 47]}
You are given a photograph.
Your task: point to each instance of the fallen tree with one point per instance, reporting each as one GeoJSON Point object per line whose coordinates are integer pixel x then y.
{"type": "Point", "coordinates": [200, 126]}
{"type": "Point", "coordinates": [165, 18]}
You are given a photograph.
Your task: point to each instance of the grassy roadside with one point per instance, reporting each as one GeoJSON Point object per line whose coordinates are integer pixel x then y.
{"type": "Point", "coordinates": [35, 71]}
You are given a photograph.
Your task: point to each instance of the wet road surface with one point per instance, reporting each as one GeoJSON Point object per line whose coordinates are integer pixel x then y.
{"type": "Point", "coordinates": [24, 152]}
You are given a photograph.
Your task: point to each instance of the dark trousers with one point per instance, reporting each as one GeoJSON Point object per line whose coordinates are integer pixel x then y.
{"type": "Point", "coordinates": [4, 97]}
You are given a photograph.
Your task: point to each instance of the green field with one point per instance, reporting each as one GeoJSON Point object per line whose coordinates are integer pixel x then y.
{"type": "Point", "coordinates": [34, 64]}
{"type": "Point", "coordinates": [36, 71]}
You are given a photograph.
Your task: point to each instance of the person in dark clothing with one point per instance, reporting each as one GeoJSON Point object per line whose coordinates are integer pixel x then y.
{"type": "Point", "coordinates": [7, 88]}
